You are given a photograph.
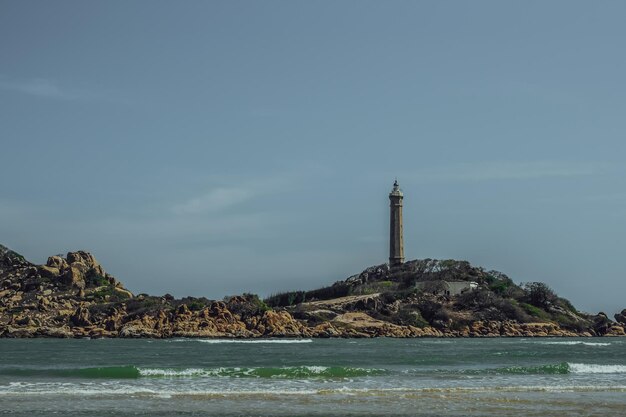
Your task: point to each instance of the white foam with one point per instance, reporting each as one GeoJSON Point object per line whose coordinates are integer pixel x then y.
{"type": "Point", "coordinates": [587, 368]}
{"type": "Point", "coordinates": [93, 389]}
{"type": "Point", "coordinates": [168, 372]}
{"type": "Point", "coordinates": [76, 390]}
{"type": "Point", "coordinates": [268, 341]}
{"type": "Point", "coordinates": [316, 369]}
{"type": "Point", "coordinates": [245, 341]}
{"type": "Point", "coordinates": [174, 372]}
{"type": "Point", "coordinates": [576, 342]}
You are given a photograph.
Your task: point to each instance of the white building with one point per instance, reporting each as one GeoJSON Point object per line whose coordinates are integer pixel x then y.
{"type": "Point", "coordinates": [441, 287]}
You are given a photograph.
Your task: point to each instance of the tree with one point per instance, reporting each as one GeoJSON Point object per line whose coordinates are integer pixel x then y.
{"type": "Point", "coordinates": [539, 294]}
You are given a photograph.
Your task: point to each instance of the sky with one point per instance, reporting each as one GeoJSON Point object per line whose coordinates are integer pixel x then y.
{"type": "Point", "coordinates": [211, 148]}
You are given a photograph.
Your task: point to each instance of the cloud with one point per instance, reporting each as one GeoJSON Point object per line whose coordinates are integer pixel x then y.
{"type": "Point", "coordinates": [502, 170]}
{"type": "Point", "coordinates": [222, 197]}
{"type": "Point", "coordinates": [50, 89]}
{"type": "Point", "coordinates": [39, 87]}
{"type": "Point", "coordinates": [215, 200]}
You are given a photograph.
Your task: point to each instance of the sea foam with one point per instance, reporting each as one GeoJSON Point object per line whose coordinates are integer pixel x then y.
{"type": "Point", "coordinates": [576, 342]}
{"type": "Point", "coordinates": [587, 368]}
{"type": "Point", "coordinates": [244, 341]}
{"type": "Point", "coordinates": [285, 372]}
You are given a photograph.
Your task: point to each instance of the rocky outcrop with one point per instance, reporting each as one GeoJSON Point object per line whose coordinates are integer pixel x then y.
{"type": "Point", "coordinates": [621, 317]}
{"type": "Point", "coordinates": [80, 317]}
{"type": "Point", "coordinates": [73, 296]}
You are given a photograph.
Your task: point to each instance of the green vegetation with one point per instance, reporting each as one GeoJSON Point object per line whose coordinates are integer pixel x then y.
{"type": "Point", "coordinates": [410, 315]}
{"type": "Point", "coordinates": [566, 304]}
{"type": "Point", "coordinates": [571, 323]}
{"type": "Point", "coordinates": [247, 305]}
{"type": "Point", "coordinates": [141, 305]}
{"type": "Point", "coordinates": [292, 298]}
{"type": "Point", "coordinates": [109, 293]}
{"type": "Point", "coordinates": [433, 311]}
{"type": "Point", "coordinates": [95, 280]}
{"type": "Point", "coordinates": [500, 287]}
{"type": "Point", "coordinates": [539, 294]}
{"type": "Point", "coordinates": [487, 305]}
{"type": "Point", "coordinates": [193, 303]}
{"type": "Point", "coordinates": [373, 287]}
{"type": "Point", "coordinates": [535, 311]}
{"type": "Point", "coordinates": [104, 293]}
{"type": "Point", "coordinates": [448, 263]}
{"type": "Point", "coordinates": [256, 301]}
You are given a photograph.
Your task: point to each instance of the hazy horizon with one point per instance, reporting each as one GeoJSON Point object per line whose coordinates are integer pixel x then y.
{"type": "Point", "coordinates": [211, 148]}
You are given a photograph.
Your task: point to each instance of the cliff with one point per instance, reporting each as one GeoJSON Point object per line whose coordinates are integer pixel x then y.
{"type": "Point", "coordinates": [73, 296]}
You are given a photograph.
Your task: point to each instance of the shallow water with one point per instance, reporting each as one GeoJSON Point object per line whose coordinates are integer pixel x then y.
{"type": "Point", "coordinates": [279, 377]}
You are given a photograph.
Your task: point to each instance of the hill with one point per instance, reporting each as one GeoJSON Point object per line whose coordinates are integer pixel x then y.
{"type": "Point", "coordinates": [73, 296]}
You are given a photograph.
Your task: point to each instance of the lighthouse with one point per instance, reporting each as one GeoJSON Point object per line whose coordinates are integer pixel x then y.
{"type": "Point", "coordinates": [396, 237]}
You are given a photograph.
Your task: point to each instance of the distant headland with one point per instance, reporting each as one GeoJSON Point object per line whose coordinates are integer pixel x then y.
{"type": "Point", "coordinates": [72, 296]}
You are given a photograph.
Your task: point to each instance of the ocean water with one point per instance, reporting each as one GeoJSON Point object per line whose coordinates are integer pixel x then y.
{"type": "Point", "coordinates": [343, 377]}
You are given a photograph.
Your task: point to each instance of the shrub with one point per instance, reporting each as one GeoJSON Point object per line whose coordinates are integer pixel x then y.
{"type": "Point", "coordinates": [193, 303]}
{"type": "Point", "coordinates": [539, 294]}
{"type": "Point", "coordinates": [477, 299]}
{"type": "Point", "coordinates": [109, 291]}
{"type": "Point", "coordinates": [286, 299]}
{"type": "Point", "coordinates": [512, 311]}
{"type": "Point", "coordinates": [372, 287]}
{"type": "Point", "coordinates": [500, 287]}
{"type": "Point", "coordinates": [260, 304]}
{"type": "Point", "coordinates": [409, 315]}
{"type": "Point", "coordinates": [247, 305]}
{"type": "Point", "coordinates": [340, 289]}
{"type": "Point", "coordinates": [534, 311]}
{"type": "Point", "coordinates": [566, 304]}
{"type": "Point", "coordinates": [432, 311]}
{"type": "Point", "coordinates": [136, 307]}
{"type": "Point", "coordinates": [570, 323]}
{"type": "Point", "coordinates": [96, 280]}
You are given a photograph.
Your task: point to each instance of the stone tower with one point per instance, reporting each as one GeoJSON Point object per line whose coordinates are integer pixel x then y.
{"type": "Point", "coordinates": [396, 237]}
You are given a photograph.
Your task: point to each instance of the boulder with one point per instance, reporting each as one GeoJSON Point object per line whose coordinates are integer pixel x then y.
{"type": "Point", "coordinates": [87, 259]}
{"type": "Point", "coordinates": [621, 317]}
{"type": "Point", "coordinates": [279, 324]}
{"type": "Point", "coordinates": [59, 332]}
{"type": "Point", "coordinates": [615, 330]}
{"type": "Point", "coordinates": [75, 275]}
{"type": "Point", "coordinates": [183, 310]}
{"type": "Point", "coordinates": [49, 272]}
{"type": "Point", "coordinates": [20, 332]}
{"type": "Point", "coordinates": [10, 260]}
{"type": "Point", "coordinates": [57, 263]}
{"type": "Point", "coordinates": [601, 324]}
{"type": "Point", "coordinates": [123, 292]}
{"type": "Point", "coordinates": [137, 328]}
{"type": "Point", "coordinates": [80, 317]}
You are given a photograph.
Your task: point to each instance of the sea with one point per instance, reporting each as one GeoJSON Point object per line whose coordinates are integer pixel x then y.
{"type": "Point", "coordinates": [313, 377]}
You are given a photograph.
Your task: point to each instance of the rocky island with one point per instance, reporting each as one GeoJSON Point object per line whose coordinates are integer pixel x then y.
{"type": "Point", "coordinates": [72, 296]}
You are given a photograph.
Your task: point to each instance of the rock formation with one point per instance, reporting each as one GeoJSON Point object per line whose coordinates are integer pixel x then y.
{"type": "Point", "coordinates": [73, 296]}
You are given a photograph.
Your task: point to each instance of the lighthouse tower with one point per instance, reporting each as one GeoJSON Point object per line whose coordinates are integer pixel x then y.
{"type": "Point", "coordinates": [396, 237]}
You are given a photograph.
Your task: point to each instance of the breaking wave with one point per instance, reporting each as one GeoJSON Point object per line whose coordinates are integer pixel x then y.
{"type": "Point", "coordinates": [286, 372]}
{"type": "Point", "coordinates": [560, 368]}
{"type": "Point", "coordinates": [586, 368]}
{"type": "Point", "coordinates": [29, 389]}
{"type": "Point", "coordinates": [298, 372]}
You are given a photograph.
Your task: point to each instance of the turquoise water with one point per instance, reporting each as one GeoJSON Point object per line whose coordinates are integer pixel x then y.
{"type": "Point", "coordinates": [277, 377]}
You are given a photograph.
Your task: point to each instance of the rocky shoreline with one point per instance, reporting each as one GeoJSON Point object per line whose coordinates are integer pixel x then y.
{"type": "Point", "coordinates": [74, 297]}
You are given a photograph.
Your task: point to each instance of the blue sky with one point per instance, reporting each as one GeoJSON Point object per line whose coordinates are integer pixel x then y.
{"type": "Point", "coordinates": [211, 148]}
